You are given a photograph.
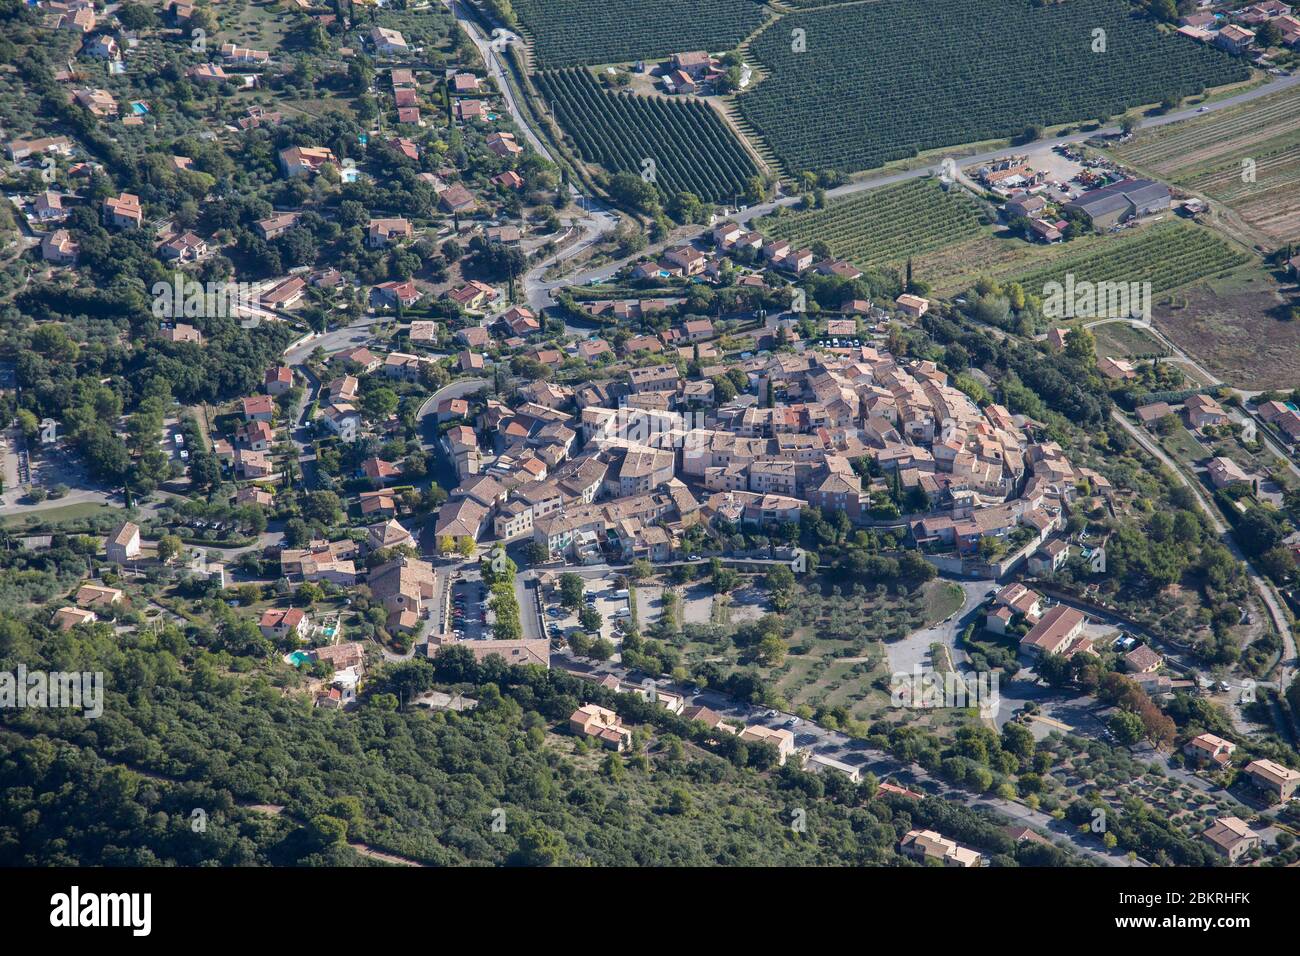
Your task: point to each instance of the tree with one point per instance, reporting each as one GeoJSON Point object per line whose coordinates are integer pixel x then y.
{"type": "Point", "coordinates": [572, 590]}
{"type": "Point", "coordinates": [169, 546]}
{"type": "Point", "coordinates": [590, 619]}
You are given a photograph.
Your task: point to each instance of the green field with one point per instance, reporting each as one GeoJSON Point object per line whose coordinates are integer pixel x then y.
{"type": "Point", "coordinates": [885, 226]}
{"type": "Point", "coordinates": [587, 32]}
{"type": "Point", "coordinates": [1168, 255]}
{"type": "Point", "coordinates": [690, 146]}
{"type": "Point", "coordinates": [867, 84]}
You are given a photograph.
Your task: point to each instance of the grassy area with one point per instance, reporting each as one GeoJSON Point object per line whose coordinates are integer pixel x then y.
{"type": "Point", "coordinates": [1121, 340]}
{"type": "Point", "coordinates": [56, 515]}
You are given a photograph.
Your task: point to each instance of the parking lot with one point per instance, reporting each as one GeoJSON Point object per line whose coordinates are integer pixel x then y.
{"type": "Point", "coordinates": [469, 613]}
{"type": "Point", "coordinates": [561, 622]}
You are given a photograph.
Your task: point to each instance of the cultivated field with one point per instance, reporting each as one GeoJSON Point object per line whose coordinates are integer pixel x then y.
{"type": "Point", "coordinates": [867, 84]}
{"type": "Point", "coordinates": [1168, 255]}
{"type": "Point", "coordinates": [1248, 157]}
{"type": "Point", "coordinates": [690, 145]}
{"type": "Point", "coordinates": [578, 32]}
{"type": "Point", "coordinates": [882, 227]}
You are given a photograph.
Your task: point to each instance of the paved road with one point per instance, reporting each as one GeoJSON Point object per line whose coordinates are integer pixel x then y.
{"type": "Point", "coordinates": [1262, 587]}
{"type": "Point", "coordinates": [599, 220]}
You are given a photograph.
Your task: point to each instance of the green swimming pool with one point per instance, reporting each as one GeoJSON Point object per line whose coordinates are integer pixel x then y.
{"type": "Point", "coordinates": [298, 658]}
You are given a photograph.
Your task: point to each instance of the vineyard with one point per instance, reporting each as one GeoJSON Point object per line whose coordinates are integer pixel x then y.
{"type": "Point", "coordinates": [878, 82]}
{"type": "Point", "coordinates": [884, 226]}
{"type": "Point", "coordinates": [587, 32]}
{"type": "Point", "coordinates": [1168, 255]}
{"type": "Point", "coordinates": [1209, 154]}
{"type": "Point", "coordinates": [690, 145]}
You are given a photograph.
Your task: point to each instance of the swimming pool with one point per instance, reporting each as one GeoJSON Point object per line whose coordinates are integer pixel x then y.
{"type": "Point", "coordinates": [298, 658]}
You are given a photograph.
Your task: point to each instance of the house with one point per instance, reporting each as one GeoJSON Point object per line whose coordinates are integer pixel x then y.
{"type": "Point", "coordinates": [1209, 748]}
{"type": "Point", "coordinates": [253, 464]}
{"type": "Point", "coordinates": [66, 618]}
{"type": "Point", "coordinates": [20, 149]}
{"type": "Point", "coordinates": [1231, 837]}
{"type": "Point", "coordinates": [928, 845]}
{"type": "Point", "coordinates": [1142, 660]}
{"type": "Point", "coordinates": [59, 247]}
{"type": "Point", "coordinates": [473, 296]}
{"type": "Point", "coordinates": [277, 380]}
{"type": "Point", "coordinates": [689, 259]}
{"type": "Point", "coordinates": [180, 332]}
{"type": "Point", "coordinates": [279, 623]}
{"type": "Point", "coordinates": [376, 469]}
{"type": "Point", "coordinates": [95, 595]}
{"type": "Point", "coordinates": [695, 63]}
{"type": "Point", "coordinates": [780, 738]}
{"type": "Point", "coordinates": [388, 42]}
{"type": "Point", "coordinates": [276, 226]}
{"type": "Point", "coordinates": [257, 408]}
{"type": "Point", "coordinates": [1116, 369]}
{"type": "Point", "coordinates": [123, 545]}
{"type": "Point", "coordinates": [600, 724]}
{"type": "Point", "coordinates": [1054, 633]}
{"type": "Point", "coordinates": [403, 584]}
{"type": "Point", "coordinates": [1203, 411]}
{"type": "Point", "coordinates": [391, 294]}
{"type": "Point", "coordinates": [1150, 414]}
{"type": "Point", "coordinates": [513, 652]}
{"type": "Point", "coordinates": [243, 55]}
{"type": "Point", "coordinates": [467, 110]}
{"type": "Point", "coordinates": [1234, 39]}
{"type": "Point", "coordinates": [1050, 557]}
{"type": "Point", "coordinates": [509, 179]}
{"type": "Point", "coordinates": [710, 718]}
{"type": "Point", "coordinates": [343, 420]}
{"type": "Point", "coordinates": [98, 102]}
{"type": "Point", "coordinates": [503, 144]}
{"type": "Point", "coordinates": [252, 495]}
{"type": "Point", "coordinates": [187, 247]}
{"type": "Point", "coordinates": [384, 232]}
{"type": "Point", "coordinates": [362, 356]}
{"type": "Point", "coordinates": [207, 73]}
{"type": "Point", "coordinates": [305, 160]}
{"type": "Point", "coordinates": [1014, 599]}
{"type": "Point", "coordinates": [123, 212]}
{"type": "Point", "coordinates": [912, 305]}
{"type": "Point", "coordinates": [464, 83]}
{"type": "Point", "coordinates": [388, 534]}
{"type": "Point", "coordinates": [456, 198]}
{"type": "Point", "coordinates": [285, 294]}
{"type": "Point", "coordinates": [820, 763]}
{"type": "Point", "coordinates": [49, 207]}
{"type": "Point", "coordinates": [1224, 473]}
{"type": "Point", "coordinates": [1272, 778]}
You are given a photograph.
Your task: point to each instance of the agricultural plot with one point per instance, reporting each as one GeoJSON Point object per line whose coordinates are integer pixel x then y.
{"type": "Point", "coordinates": [1167, 255]}
{"type": "Point", "coordinates": [1247, 157]}
{"type": "Point", "coordinates": [587, 32]}
{"type": "Point", "coordinates": [857, 86]}
{"type": "Point", "coordinates": [689, 144]}
{"type": "Point", "coordinates": [885, 226]}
